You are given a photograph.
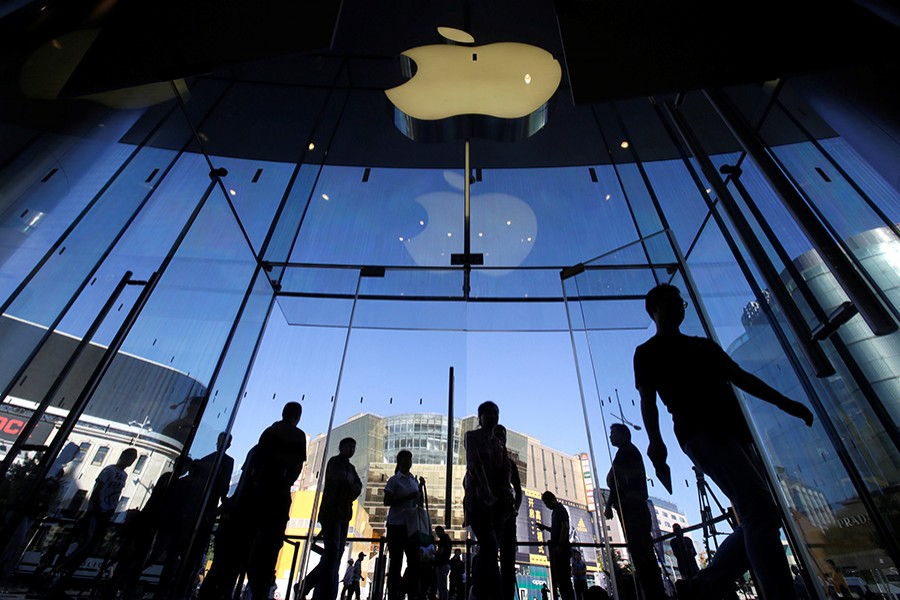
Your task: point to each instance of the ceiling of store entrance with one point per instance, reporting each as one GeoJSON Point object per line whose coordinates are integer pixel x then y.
{"type": "Point", "coordinates": [610, 51]}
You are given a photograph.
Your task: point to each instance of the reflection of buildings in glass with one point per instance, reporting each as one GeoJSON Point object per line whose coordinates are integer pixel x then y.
{"type": "Point", "coordinates": [816, 486]}
{"type": "Point", "coordinates": [425, 434]}
{"type": "Point", "coordinates": [758, 351]}
{"type": "Point", "coordinates": [108, 425]}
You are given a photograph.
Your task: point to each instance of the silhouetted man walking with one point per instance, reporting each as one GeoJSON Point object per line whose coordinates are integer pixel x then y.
{"type": "Point", "coordinates": [627, 482]}
{"type": "Point", "coordinates": [342, 487]}
{"type": "Point", "coordinates": [692, 377]}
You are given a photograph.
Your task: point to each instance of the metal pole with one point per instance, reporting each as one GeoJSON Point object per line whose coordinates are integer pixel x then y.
{"type": "Point", "coordinates": [813, 352]}
{"type": "Point", "coordinates": [448, 499]}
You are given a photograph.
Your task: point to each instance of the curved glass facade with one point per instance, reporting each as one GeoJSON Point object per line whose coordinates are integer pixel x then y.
{"type": "Point", "coordinates": [177, 270]}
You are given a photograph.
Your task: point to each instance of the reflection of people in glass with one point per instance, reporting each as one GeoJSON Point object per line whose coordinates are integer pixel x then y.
{"type": "Point", "coordinates": [180, 427]}
{"type": "Point", "coordinates": [20, 476]}
{"type": "Point", "coordinates": [402, 494]}
{"type": "Point", "coordinates": [184, 512]}
{"type": "Point", "coordinates": [627, 484]}
{"type": "Point", "coordinates": [342, 487]}
{"type": "Point", "coordinates": [508, 532]}
{"type": "Point", "coordinates": [91, 528]}
{"type": "Point", "coordinates": [692, 377]}
{"type": "Point", "coordinates": [488, 502]}
{"type": "Point", "coordinates": [560, 546]}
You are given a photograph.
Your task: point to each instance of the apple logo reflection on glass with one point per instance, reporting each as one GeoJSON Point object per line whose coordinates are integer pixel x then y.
{"type": "Point", "coordinates": [506, 245]}
{"type": "Point", "coordinates": [458, 90]}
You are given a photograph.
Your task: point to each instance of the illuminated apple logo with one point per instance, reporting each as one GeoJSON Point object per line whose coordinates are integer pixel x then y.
{"type": "Point", "coordinates": [509, 234]}
{"type": "Point", "coordinates": [501, 90]}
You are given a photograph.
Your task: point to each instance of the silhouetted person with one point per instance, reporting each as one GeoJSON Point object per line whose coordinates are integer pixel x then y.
{"type": "Point", "coordinates": [457, 572]}
{"type": "Point", "coordinates": [234, 536]}
{"type": "Point", "coordinates": [311, 581]}
{"type": "Point", "coordinates": [140, 539]}
{"type": "Point", "coordinates": [90, 529]}
{"type": "Point", "coordinates": [204, 472]}
{"type": "Point", "coordinates": [508, 546]}
{"type": "Point", "coordinates": [545, 592]}
{"type": "Point", "coordinates": [402, 494]}
{"type": "Point", "coordinates": [560, 546]}
{"type": "Point", "coordinates": [347, 579]}
{"type": "Point", "coordinates": [627, 482]}
{"type": "Point", "coordinates": [356, 577]}
{"type": "Point", "coordinates": [442, 561]}
{"type": "Point", "coordinates": [685, 553]}
{"type": "Point", "coordinates": [692, 376]}
{"type": "Point", "coordinates": [342, 487]}
{"type": "Point", "coordinates": [277, 462]}
{"type": "Point", "coordinates": [579, 575]}
{"type": "Point", "coordinates": [488, 502]}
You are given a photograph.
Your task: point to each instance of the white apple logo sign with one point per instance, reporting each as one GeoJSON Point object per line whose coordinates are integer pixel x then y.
{"type": "Point", "coordinates": [508, 235]}
{"type": "Point", "coordinates": [504, 80]}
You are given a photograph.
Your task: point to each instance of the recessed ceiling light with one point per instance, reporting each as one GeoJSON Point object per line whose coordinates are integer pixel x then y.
{"type": "Point", "coordinates": [401, 238]}
{"type": "Point", "coordinates": [480, 234]}
{"type": "Point", "coordinates": [325, 197]}
{"type": "Point", "coordinates": [312, 146]}
{"type": "Point", "coordinates": [449, 234]}
{"type": "Point", "coordinates": [421, 222]}
{"type": "Point", "coordinates": [527, 79]}
{"type": "Point", "coordinates": [509, 222]}
{"type": "Point", "coordinates": [624, 144]}
{"type": "Point", "coordinates": [608, 196]}
{"type": "Point", "coordinates": [232, 192]}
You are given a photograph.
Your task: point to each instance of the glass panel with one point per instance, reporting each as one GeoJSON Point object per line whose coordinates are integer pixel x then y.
{"type": "Point", "coordinates": [394, 394]}
{"type": "Point", "coordinates": [605, 333]}
{"type": "Point", "coordinates": [814, 485]}
{"type": "Point", "coordinates": [147, 176]}
{"type": "Point", "coordinates": [164, 368]}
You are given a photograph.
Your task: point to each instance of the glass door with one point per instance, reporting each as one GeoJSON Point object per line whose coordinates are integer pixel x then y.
{"type": "Point", "coordinates": [605, 310]}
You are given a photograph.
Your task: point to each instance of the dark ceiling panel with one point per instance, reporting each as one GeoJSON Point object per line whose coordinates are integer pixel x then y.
{"type": "Point", "coordinates": [146, 41]}
{"type": "Point", "coordinates": [620, 49]}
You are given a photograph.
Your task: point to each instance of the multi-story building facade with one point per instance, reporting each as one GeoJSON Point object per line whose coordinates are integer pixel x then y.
{"type": "Point", "coordinates": [425, 435]}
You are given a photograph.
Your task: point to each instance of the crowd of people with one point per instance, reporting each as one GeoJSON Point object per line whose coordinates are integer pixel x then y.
{"type": "Point", "coordinates": [691, 376]}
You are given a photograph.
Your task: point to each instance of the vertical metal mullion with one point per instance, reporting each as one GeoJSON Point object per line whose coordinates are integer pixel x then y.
{"type": "Point", "coordinates": [811, 350]}
{"type": "Point", "coordinates": [337, 390]}
{"type": "Point", "coordinates": [220, 452]}
{"type": "Point", "coordinates": [448, 499]}
{"type": "Point", "coordinates": [41, 408]}
{"type": "Point", "coordinates": [563, 276]}
{"type": "Point", "coordinates": [877, 317]}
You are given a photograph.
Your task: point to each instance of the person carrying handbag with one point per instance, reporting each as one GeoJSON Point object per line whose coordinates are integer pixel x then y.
{"type": "Point", "coordinates": [403, 494]}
